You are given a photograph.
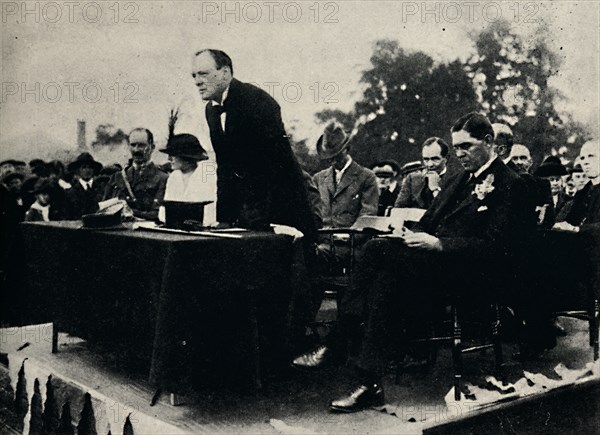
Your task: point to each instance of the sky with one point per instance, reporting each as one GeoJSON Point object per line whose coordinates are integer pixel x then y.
{"type": "Point", "coordinates": [127, 63]}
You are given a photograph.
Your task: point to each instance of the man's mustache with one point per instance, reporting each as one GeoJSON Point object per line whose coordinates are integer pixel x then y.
{"type": "Point", "coordinates": [137, 154]}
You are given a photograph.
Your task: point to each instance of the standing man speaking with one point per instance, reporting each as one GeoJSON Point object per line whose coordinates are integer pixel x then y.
{"type": "Point", "coordinates": [259, 180]}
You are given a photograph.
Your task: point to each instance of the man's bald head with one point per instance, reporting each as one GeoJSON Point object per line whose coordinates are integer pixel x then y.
{"type": "Point", "coordinates": [521, 158]}
{"type": "Point", "coordinates": [589, 158]}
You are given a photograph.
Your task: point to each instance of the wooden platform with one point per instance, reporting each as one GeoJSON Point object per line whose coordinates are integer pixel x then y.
{"type": "Point", "coordinates": [296, 404]}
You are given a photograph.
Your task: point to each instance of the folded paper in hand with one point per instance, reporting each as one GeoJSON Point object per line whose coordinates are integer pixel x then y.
{"type": "Point", "coordinates": [405, 214]}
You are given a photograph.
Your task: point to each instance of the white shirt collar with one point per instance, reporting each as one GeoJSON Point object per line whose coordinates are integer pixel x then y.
{"type": "Point", "coordinates": [86, 184]}
{"type": "Point", "coordinates": [393, 185]}
{"type": "Point", "coordinates": [485, 166]}
{"type": "Point", "coordinates": [44, 209]}
{"type": "Point", "coordinates": [139, 166]}
{"type": "Point", "coordinates": [223, 97]}
{"type": "Point", "coordinates": [62, 183]}
{"type": "Point", "coordinates": [341, 171]}
{"type": "Point", "coordinates": [595, 181]}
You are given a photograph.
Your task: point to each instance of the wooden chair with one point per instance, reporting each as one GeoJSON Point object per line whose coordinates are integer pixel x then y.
{"type": "Point", "coordinates": [564, 252]}
{"type": "Point", "coordinates": [452, 331]}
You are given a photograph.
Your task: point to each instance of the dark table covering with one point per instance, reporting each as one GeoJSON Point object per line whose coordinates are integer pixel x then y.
{"type": "Point", "coordinates": [201, 311]}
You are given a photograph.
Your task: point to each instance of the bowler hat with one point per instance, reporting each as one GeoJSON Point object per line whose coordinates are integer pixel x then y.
{"type": "Point", "coordinates": [411, 167]}
{"type": "Point", "coordinates": [551, 167]}
{"type": "Point", "coordinates": [333, 141]}
{"type": "Point", "coordinates": [84, 159]}
{"type": "Point", "coordinates": [185, 145]}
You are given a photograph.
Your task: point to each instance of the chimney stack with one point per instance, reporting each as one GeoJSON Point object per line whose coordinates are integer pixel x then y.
{"type": "Point", "coordinates": [81, 144]}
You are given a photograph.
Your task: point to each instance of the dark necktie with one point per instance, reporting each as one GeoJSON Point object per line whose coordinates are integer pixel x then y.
{"type": "Point", "coordinates": [463, 191]}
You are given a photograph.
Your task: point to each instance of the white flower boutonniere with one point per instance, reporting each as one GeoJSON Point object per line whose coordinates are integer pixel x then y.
{"type": "Point", "coordinates": [482, 189]}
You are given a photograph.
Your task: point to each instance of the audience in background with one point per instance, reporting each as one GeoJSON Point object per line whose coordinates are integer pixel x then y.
{"type": "Point", "coordinates": [83, 197]}
{"type": "Point", "coordinates": [387, 172]}
{"type": "Point", "coordinates": [419, 188]}
{"type": "Point", "coordinates": [553, 170]}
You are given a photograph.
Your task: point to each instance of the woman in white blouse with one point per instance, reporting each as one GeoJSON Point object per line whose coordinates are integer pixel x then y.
{"type": "Point", "coordinates": [190, 180]}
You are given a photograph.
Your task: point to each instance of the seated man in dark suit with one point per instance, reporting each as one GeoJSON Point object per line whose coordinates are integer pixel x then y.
{"type": "Point", "coordinates": [553, 170]}
{"type": "Point", "coordinates": [420, 187]}
{"type": "Point", "coordinates": [518, 158]}
{"type": "Point", "coordinates": [387, 172]}
{"type": "Point", "coordinates": [468, 232]}
{"type": "Point", "coordinates": [567, 267]}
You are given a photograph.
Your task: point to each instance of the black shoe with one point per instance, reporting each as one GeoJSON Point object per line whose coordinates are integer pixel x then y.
{"type": "Point", "coordinates": [535, 351]}
{"type": "Point", "coordinates": [363, 397]}
{"type": "Point", "coordinates": [558, 329]}
{"type": "Point", "coordinates": [315, 359]}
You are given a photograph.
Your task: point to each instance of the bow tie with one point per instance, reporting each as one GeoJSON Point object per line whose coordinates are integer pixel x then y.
{"type": "Point", "coordinates": [217, 108]}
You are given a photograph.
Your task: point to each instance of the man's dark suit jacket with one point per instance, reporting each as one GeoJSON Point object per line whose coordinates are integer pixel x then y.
{"type": "Point", "coordinates": [80, 201]}
{"type": "Point", "coordinates": [395, 285]}
{"type": "Point", "coordinates": [492, 225]}
{"type": "Point", "coordinates": [387, 198]}
{"type": "Point", "coordinates": [259, 180]}
{"type": "Point", "coordinates": [479, 239]}
{"type": "Point", "coordinates": [586, 206]}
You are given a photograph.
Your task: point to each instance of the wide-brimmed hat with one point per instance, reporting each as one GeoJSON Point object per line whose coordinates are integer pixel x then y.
{"type": "Point", "coordinates": [551, 167]}
{"type": "Point", "coordinates": [333, 141]}
{"type": "Point", "coordinates": [87, 159]}
{"type": "Point", "coordinates": [11, 176]}
{"type": "Point", "coordinates": [185, 145]}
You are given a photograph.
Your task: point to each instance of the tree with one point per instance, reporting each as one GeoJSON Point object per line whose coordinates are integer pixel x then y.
{"type": "Point", "coordinates": [107, 134]}
{"type": "Point", "coordinates": [309, 161]}
{"type": "Point", "coordinates": [407, 98]}
{"type": "Point", "coordinates": [511, 77]}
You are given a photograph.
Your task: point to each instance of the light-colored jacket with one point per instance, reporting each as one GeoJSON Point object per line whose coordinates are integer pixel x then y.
{"type": "Point", "coordinates": [356, 195]}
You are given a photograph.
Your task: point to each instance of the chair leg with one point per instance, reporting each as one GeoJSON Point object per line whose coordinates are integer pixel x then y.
{"type": "Point", "coordinates": [594, 332]}
{"type": "Point", "coordinates": [497, 342]}
{"type": "Point", "coordinates": [457, 353]}
{"type": "Point", "coordinates": [54, 336]}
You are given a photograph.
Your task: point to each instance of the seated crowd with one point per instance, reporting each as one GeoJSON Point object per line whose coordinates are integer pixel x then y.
{"type": "Point", "coordinates": [477, 224]}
